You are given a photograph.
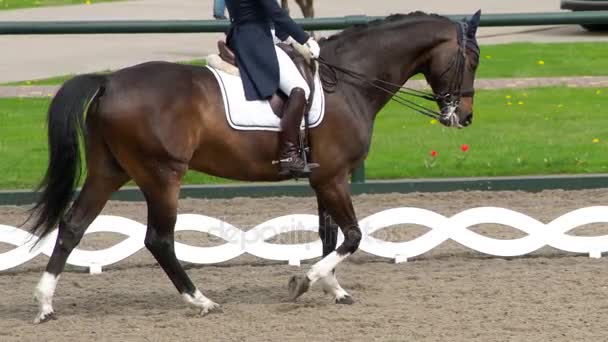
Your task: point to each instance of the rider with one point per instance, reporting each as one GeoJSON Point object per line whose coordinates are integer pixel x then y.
{"type": "Point", "coordinates": [265, 68]}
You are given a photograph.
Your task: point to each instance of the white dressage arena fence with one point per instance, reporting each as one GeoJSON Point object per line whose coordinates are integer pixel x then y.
{"type": "Point", "coordinates": [254, 241]}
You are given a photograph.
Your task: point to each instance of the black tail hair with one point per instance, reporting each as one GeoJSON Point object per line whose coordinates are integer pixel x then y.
{"type": "Point", "coordinates": [66, 127]}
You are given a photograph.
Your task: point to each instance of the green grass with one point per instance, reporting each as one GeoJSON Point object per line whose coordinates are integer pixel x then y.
{"type": "Point", "coordinates": [44, 81]}
{"type": "Point", "coordinates": [505, 60]}
{"type": "Point", "coordinates": [551, 132]}
{"type": "Point", "coordinates": [61, 79]}
{"type": "Point", "coordinates": [23, 146]}
{"type": "Point", "coordinates": [17, 4]}
{"type": "Point", "coordinates": [543, 60]}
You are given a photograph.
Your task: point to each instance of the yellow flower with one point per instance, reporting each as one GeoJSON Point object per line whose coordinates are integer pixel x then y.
{"type": "Point", "coordinates": [520, 102]}
{"type": "Point", "coordinates": [595, 140]}
{"type": "Point", "coordinates": [488, 57]}
{"type": "Point", "coordinates": [597, 92]}
{"type": "Point", "coordinates": [433, 122]}
{"type": "Point", "coordinates": [508, 97]}
{"type": "Point", "coordinates": [88, 2]}
{"type": "Point", "coordinates": [49, 95]}
{"type": "Point", "coordinates": [541, 62]}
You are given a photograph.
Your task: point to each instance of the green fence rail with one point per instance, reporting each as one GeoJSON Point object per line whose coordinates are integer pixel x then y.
{"type": "Point", "coordinates": [197, 26]}
{"type": "Point", "coordinates": [529, 184]}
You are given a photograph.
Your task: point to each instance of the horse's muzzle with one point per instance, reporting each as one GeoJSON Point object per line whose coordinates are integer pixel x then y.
{"type": "Point", "coordinates": [468, 119]}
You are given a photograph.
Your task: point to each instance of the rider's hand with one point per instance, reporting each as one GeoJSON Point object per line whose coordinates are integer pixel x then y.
{"type": "Point", "coordinates": [289, 41]}
{"type": "Point", "coordinates": [313, 47]}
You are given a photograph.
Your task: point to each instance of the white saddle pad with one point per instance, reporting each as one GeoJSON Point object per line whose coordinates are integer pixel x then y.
{"type": "Point", "coordinates": [258, 115]}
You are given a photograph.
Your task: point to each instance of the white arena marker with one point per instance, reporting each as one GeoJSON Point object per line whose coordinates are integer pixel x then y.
{"type": "Point", "coordinates": [95, 269]}
{"type": "Point", "coordinates": [595, 254]}
{"type": "Point", "coordinates": [400, 258]}
{"type": "Point", "coordinates": [254, 240]}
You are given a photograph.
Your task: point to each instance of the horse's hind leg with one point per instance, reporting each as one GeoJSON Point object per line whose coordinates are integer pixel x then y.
{"type": "Point", "coordinates": [162, 198]}
{"type": "Point", "coordinates": [101, 182]}
{"type": "Point", "coordinates": [335, 198]}
{"type": "Point", "coordinates": [328, 232]}
{"type": "Point", "coordinates": [307, 7]}
{"type": "Point", "coordinates": [308, 10]}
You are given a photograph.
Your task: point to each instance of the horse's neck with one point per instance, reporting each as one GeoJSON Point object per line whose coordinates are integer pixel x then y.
{"type": "Point", "coordinates": [393, 56]}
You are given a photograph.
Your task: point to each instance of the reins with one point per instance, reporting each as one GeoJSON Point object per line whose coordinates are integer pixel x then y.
{"type": "Point", "coordinates": [398, 97]}
{"type": "Point", "coordinates": [400, 94]}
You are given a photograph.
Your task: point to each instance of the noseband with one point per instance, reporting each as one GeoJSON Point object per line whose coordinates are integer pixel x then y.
{"type": "Point", "coordinates": [450, 98]}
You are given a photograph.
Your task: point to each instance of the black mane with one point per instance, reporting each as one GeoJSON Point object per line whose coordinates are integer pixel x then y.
{"type": "Point", "coordinates": [391, 19]}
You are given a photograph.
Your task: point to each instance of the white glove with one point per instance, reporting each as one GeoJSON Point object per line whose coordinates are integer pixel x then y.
{"type": "Point", "coordinates": [304, 50]}
{"type": "Point", "coordinates": [289, 41]}
{"type": "Point", "coordinates": [313, 47]}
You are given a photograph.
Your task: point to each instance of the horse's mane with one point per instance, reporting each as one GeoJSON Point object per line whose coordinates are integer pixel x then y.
{"type": "Point", "coordinates": [391, 19]}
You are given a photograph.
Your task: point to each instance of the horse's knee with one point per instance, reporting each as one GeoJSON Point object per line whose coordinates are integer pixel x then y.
{"type": "Point", "coordinates": [352, 238]}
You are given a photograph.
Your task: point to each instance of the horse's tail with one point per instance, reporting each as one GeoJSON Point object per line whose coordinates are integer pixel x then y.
{"type": "Point", "coordinates": [66, 127]}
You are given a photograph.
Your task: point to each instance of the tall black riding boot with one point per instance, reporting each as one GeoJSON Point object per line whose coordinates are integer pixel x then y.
{"type": "Point", "coordinates": [290, 160]}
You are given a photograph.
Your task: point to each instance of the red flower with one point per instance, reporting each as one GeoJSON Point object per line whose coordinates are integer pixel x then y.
{"type": "Point", "coordinates": [464, 147]}
{"type": "Point", "coordinates": [433, 153]}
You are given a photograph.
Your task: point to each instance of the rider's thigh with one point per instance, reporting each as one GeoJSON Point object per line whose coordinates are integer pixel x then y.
{"type": "Point", "coordinates": [290, 76]}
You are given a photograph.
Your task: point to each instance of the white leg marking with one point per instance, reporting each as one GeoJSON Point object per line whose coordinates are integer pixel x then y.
{"type": "Point", "coordinates": [201, 302]}
{"type": "Point", "coordinates": [44, 294]}
{"type": "Point", "coordinates": [324, 266]}
{"type": "Point", "coordinates": [330, 285]}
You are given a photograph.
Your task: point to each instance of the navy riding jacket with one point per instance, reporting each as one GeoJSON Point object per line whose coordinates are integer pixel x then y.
{"type": "Point", "coordinates": [251, 40]}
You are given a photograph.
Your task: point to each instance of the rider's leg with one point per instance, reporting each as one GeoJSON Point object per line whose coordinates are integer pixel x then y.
{"type": "Point", "coordinates": [290, 76]}
{"type": "Point", "coordinates": [293, 84]}
{"type": "Point", "coordinates": [290, 159]}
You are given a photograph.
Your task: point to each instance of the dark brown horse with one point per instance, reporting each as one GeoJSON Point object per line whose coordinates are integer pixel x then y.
{"type": "Point", "coordinates": [152, 122]}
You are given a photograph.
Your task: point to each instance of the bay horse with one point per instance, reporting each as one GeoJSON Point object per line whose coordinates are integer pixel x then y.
{"type": "Point", "coordinates": [152, 122]}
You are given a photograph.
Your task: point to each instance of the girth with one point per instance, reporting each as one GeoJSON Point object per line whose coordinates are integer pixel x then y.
{"type": "Point", "coordinates": [277, 101]}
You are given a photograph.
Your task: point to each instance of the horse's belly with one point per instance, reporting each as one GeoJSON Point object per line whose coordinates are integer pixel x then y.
{"type": "Point", "coordinates": [239, 158]}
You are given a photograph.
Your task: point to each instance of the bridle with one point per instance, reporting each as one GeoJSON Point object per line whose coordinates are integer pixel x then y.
{"type": "Point", "coordinates": [450, 98]}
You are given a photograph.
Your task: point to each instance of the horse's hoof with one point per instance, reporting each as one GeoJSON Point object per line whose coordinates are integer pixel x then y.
{"type": "Point", "coordinates": [211, 309]}
{"type": "Point", "coordinates": [348, 300]}
{"type": "Point", "coordinates": [45, 317]}
{"type": "Point", "coordinates": [297, 286]}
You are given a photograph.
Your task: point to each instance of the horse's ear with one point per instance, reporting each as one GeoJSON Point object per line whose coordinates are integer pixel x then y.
{"type": "Point", "coordinates": [473, 24]}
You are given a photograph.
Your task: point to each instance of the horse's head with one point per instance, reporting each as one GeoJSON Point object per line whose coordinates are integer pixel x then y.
{"type": "Point", "coordinates": [450, 71]}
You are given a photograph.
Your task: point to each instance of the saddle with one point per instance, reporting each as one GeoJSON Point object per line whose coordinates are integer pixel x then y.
{"type": "Point", "coordinates": [277, 102]}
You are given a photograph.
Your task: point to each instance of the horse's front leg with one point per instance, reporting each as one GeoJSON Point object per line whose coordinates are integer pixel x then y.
{"type": "Point", "coordinates": [328, 232]}
{"type": "Point", "coordinates": [335, 197]}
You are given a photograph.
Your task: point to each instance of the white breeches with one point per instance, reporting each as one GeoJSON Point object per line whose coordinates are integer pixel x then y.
{"type": "Point", "coordinates": [290, 77]}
